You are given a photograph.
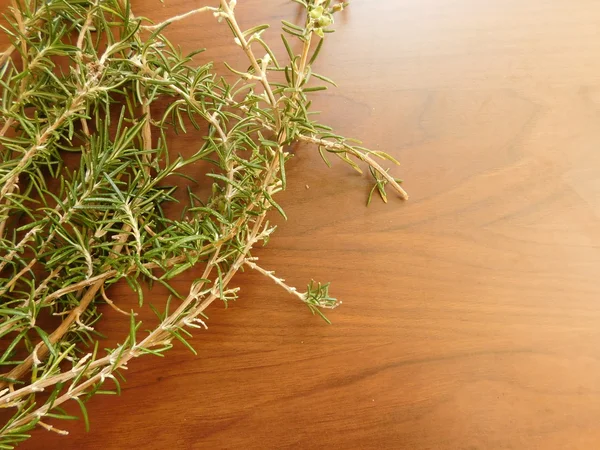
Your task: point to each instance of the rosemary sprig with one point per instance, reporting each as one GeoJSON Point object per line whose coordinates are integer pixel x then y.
{"type": "Point", "coordinates": [69, 233]}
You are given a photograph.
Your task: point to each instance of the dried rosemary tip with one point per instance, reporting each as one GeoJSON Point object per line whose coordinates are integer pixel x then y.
{"type": "Point", "coordinates": [89, 95]}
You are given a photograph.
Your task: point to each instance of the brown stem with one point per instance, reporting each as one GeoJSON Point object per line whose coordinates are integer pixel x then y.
{"type": "Point", "coordinates": [19, 19]}
{"type": "Point", "coordinates": [147, 129]}
{"type": "Point", "coordinates": [303, 61]}
{"type": "Point", "coordinates": [7, 53]}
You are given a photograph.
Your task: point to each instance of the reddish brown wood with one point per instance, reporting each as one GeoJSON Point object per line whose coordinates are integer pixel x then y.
{"type": "Point", "coordinates": [471, 315]}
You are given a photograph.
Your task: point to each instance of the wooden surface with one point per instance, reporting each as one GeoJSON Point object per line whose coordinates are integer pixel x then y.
{"type": "Point", "coordinates": [471, 315]}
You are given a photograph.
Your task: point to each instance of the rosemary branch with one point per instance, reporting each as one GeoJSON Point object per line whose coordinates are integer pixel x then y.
{"type": "Point", "coordinates": [64, 247]}
{"type": "Point", "coordinates": [360, 155]}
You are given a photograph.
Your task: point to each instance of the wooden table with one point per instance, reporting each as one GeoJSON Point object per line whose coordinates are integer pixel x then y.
{"type": "Point", "coordinates": [471, 315]}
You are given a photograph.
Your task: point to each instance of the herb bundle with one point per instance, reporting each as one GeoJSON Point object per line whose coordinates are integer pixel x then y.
{"type": "Point", "coordinates": [88, 81]}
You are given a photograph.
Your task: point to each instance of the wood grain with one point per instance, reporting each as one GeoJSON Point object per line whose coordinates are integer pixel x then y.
{"type": "Point", "coordinates": [471, 315]}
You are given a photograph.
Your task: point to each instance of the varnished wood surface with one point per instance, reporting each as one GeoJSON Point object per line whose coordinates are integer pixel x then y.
{"type": "Point", "coordinates": [471, 315]}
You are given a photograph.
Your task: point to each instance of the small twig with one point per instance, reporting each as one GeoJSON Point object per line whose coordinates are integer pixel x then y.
{"type": "Point", "coordinates": [303, 61]}
{"type": "Point", "coordinates": [82, 33]}
{"type": "Point", "coordinates": [112, 304]}
{"type": "Point", "coordinates": [230, 17]}
{"type": "Point", "coordinates": [147, 131]}
{"type": "Point", "coordinates": [23, 43]}
{"type": "Point", "coordinates": [362, 156]}
{"type": "Point", "coordinates": [29, 235]}
{"type": "Point", "coordinates": [53, 429]}
{"type": "Point", "coordinates": [6, 54]}
{"type": "Point", "coordinates": [177, 18]}
{"type": "Point", "coordinates": [279, 281]}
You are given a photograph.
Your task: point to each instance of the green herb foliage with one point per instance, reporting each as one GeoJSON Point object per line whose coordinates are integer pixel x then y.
{"type": "Point", "coordinates": [87, 76]}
